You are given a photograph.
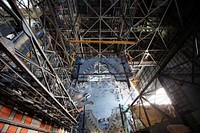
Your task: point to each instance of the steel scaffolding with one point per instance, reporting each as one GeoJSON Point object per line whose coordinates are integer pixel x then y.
{"type": "Point", "coordinates": [35, 77]}
{"type": "Point", "coordinates": [44, 43]}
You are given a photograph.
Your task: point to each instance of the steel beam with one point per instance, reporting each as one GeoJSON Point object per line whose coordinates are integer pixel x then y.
{"type": "Point", "coordinates": [62, 109]}
{"type": "Point", "coordinates": [102, 42]}
{"type": "Point", "coordinates": [9, 51]}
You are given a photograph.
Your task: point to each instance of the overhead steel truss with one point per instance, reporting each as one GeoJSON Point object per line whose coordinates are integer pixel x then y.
{"type": "Point", "coordinates": [34, 77]}
{"type": "Point", "coordinates": [125, 20]}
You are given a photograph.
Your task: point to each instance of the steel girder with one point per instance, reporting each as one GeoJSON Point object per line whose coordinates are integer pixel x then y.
{"type": "Point", "coordinates": [178, 67]}
{"type": "Point", "coordinates": [34, 75]}
{"type": "Point", "coordinates": [181, 73]}
{"type": "Point", "coordinates": [126, 20]}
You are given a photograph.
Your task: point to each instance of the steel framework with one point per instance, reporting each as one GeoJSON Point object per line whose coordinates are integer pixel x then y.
{"type": "Point", "coordinates": [34, 75]}
{"type": "Point", "coordinates": [41, 41]}
{"type": "Point", "coordinates": [125, 21]}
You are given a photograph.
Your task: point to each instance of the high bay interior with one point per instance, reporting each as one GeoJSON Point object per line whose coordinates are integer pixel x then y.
{"type": "Point", "coordinates": [99, 66]}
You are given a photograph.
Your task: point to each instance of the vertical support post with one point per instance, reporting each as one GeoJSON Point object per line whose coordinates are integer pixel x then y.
{"type": "Point", "coordinates": [29, 15]}
{"type": "Point", "coordinates": [193, 59]}
{"type": "Point", "coordinates": [128, 82]}
{"type": "Point", "coordinates": [196, 44]}
{"type": "Point", "coordinates": [122, 118]}
{"type": "Point", "coordinates": [134, 123]}
{"type": "Point", "coordinates": [195, 54]}
{"type": "Point", "coordinates": [100, 18]}
{"type": "Point", "coordinates": [145, 112]}
{"type": "Point", "coordinates": [140, 114]}
{"type": "Point", "coordinates": [83, 124]}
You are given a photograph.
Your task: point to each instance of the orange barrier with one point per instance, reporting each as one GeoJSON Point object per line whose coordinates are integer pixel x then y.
{"type": "Point", "coordinates": [41, 126]}
{"type": "Point", "coordinates": [4, 112]}
{"type": "Point", "coordinates": [28, 121]}
{"type": "Point", "coordinates": [18, 117]}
